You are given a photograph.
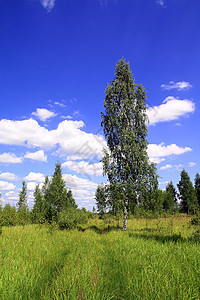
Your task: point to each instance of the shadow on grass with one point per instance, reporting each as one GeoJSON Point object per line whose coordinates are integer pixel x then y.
{"type": "Point", "coordinates": [147, 234]}
{"type": "Point", "coordinates": [163, 238]}
{"type": "Point", "coordinates": [100, 230]}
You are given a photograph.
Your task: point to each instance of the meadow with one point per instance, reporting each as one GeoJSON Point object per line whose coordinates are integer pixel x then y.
{"type": "Point", "coordinates": [153, 259]}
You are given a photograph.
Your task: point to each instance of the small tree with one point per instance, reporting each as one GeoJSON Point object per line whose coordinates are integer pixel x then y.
{"type": "Point", "coordinates": [70, 201]}
{"type": "Point", "coordinates": [187, 194]}
{"type": "Point", "coordinates": [101, 199]}
{"type": "Point", "coordinates": [171, 189]}
{"type": "Point", "coordinates": [38, 208]}
{"type": "Point", "coordinates": [22, 203]}
{"type": "Point", "coordinates": [58, 197]}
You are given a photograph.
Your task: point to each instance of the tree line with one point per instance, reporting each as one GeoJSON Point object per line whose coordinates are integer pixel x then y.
{"type": "Point", "coordinates": [53, 203]}
{"type": "Point", "coordinates": [110, 198]}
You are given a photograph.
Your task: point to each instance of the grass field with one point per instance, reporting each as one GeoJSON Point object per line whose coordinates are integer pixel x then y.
{"type": "Point", "coordinates": [154, 259]}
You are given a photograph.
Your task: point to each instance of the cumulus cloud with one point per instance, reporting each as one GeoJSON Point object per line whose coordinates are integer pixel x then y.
{"type": "Point", "coordinates": [174, 167]}
{"type": "Point", "coordinates": [180, 85]}
{"type": "Point", "coordinates": [31, 185]}
{"type": "Point", "coordinates": [159, 152]}
{"type": "Point", "coordinates": [171, 109]}
{"type": "Point", "coordinates": [38, 155]}
{"type": "Point", "coordinates": [69, 137]}
{"type": "Point", "coordinates": [4, 185]}
{"type": "Point", "coordinates": [82, 189]}
{"type": "Point", "coordinates": [8, 176]}
{"type": "Point", "coordinates": [10, 158]}
{"type": "Point", "coordinates": [48, 4]}
{"type": "Point", "coordinates": [32, 176]}
{"type": "Point", "coordinates": [43, 114]}
{"type": "Point", "coordinates": [84, 167]}
{"type": "Point", "coordinates": [11, 195]}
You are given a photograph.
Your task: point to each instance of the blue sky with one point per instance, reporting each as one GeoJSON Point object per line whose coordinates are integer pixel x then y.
{"type": "Point", "coordinates": [56, 59]}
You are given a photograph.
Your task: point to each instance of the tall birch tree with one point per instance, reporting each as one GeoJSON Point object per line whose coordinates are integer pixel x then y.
{"type": "Point", "coordinates": [124, 124]}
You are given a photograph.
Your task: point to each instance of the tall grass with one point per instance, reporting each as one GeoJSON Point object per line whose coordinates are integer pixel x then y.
{"type": "Point", "coordinates": [154, 259]}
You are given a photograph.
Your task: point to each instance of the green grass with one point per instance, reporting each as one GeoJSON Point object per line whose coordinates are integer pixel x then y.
{"type": "Point", "coordinates": [154, 259]}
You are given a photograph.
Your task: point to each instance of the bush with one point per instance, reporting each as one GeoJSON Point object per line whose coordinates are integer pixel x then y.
{"type": "Point", "coordinates": [70, 218]}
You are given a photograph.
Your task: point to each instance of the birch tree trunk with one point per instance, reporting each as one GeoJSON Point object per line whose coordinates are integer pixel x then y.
{"type": "Point", "coordinates": [125, 215]}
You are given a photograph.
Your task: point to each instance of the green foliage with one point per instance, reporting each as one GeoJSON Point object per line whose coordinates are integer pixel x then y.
{"type": "Point", "coordinates": [124, 124]}
{"type": "Point", "coordinates": [39, 206]}
{"type": "Point", "coordinates": [171, 189]}
{"type": "Point", "coordinates": [56, 196]}
{"type": "Point", "coordinates": [116, 197]}
{"type": "Point", "coordinates": [22, 196]}
{"type": "Point", "coordinates": [23, 216]}
{"type": "Point", "coordinates": [101, 199]}
{"type": "Point", "coordinates": [197, 187]}
{"type": "Point", "coordinates": [187, 194]}
{"type": "Point", "coordinates": [70, 218]}
{"type": "Point", "coordinates": [148, 195]}
{"type": "Point", "coordinates": [168, 201]}
{"type": "Point", "coordinates": [8, 216]}
{"type": "Point", "coordinates": [57, 193]}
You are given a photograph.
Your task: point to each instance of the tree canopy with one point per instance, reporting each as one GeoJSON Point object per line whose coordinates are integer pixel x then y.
{"type": "Point", "coordinates": [124, 124]}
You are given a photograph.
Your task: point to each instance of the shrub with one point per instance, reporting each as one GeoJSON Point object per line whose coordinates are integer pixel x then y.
{"type": "Point", "coordinates": [70, 218]}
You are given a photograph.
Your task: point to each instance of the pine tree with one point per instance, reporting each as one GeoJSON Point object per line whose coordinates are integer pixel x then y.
{"type": "Point", "coordinates": [22, 203]}
{"type": "Point", "coordinates": [187, 194]}
{"type": "Point", "coordinates": [38, 208]}
{"type": "Point", "coordinates": [58, 196]}
{"type": "Point", "coordinates": [124, 124]}
{"type": "Point", "coordinates": [197, 187]}
{"type": "Point", "coordinates": [70, 200]}
{"type": "Point", "coordinates": [171, 189]}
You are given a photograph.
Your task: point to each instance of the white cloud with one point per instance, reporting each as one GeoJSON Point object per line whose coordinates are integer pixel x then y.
{"type": "Point", "coordinates": [69, 137]}
{"type": "Point", "coordinates": [67, 117]}
{"type": "Point", "coordinates": [171, 109]}
{"type": "Point", "coordinates": [84, 167]}
{"type": "Point", "coordinates": [38, 155]}
{"type": "Point", "coordinates": [174, 167]}
{"type": "Point", "coordinates": [74, 157]}
{"type": "Point", "coordinates": [48, 4]}
{"type": "Point", "coordinates": [10, 158]}
{"type": "Point", "coordinates": [82, 189]}
{"type": "Point", "coordinates": [11, 195]}
{"type": "Point", "coordinates": [164, 182]}
{"type": "Point", "coordinates": [60, 104]}
{"type": "Point", "coordinates": [31, 186]}
{"type": "Point", "coordinates": [43, 114]}
{"type": "Point", "coordinates": [8, 176]}
{"type": "Point", "coordinates": [181, 85]}
{"type": "Point", "coordinates": [156, 160]}
{"type": "Point", "coordinates": [4, 185]}
{"type": "Point", "coordinates": [158, 152]}
{"type": "Point", "coordinates": [191, 164]}
{"type": "Point", "coordinates": [32, 176]}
